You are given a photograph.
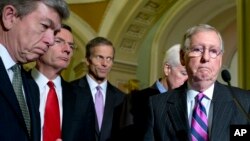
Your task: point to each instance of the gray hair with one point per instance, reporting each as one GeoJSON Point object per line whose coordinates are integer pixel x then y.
{"type": "Point", "coordinates": [172, 56]}
{"type": "Point", "coordinates": [199, 28]}
{"type": "Point", "coordinates": [25, 7]}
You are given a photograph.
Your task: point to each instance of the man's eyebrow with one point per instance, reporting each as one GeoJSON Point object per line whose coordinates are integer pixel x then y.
{"type": "Point", "coordinates": [59, 38]}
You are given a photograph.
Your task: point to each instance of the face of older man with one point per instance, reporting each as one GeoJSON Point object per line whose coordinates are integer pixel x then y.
{"type": "Point", "coordinates": [31, 35]}
{"type": "Point", "coordinates": [176, 75]}
{"type": "Point", "coordinates": [203, 68]}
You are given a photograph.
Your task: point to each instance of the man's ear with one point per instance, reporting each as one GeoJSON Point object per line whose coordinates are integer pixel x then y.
{"type": "Point", "coordinates": [182, 56]}
{"type": "Point", "coordinates": [87, 61]}
{"type": "Point", "coordinates": [9, 16]}
{"type": "Point", "coordinates": [166, 69]}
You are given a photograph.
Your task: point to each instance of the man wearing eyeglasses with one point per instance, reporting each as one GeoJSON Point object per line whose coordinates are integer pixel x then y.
{"type": "Point", "coordinates": [57, 101]}
{"type": "Point", "coordinates": [202, 109]}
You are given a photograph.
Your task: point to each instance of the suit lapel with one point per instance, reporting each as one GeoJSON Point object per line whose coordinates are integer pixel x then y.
{"type": "Point", "coordinates": [222, 107]}
{"type": "Point", "coordinates": [68, 102]}
{"type": "Point", "coordinates": [8, 92]}
{"type": "Point", "coordinates": [85, 86]}
{"type": "Point", "coordinates": [178, 113]}
{"type": "Point", "coordinates": [108, 110]}
{"type": "Point", "coordinates": [31, 91]}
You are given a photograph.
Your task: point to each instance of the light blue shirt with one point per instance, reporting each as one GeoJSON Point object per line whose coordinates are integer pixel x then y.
{"type": "Point", "coordinates": [160, 87]}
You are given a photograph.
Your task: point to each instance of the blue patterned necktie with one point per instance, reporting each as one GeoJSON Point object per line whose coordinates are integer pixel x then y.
{"type": "Point", "coordinates": [199, 125]}
{"type": "Point", "coordinates": [17, 85]}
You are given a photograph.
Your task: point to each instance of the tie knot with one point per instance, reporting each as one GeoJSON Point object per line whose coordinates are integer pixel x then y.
{"type": "Point", "coordinates": [98, 88]}
{"type": "Point", "coordinates": [199, 97]}
{"type": "Point", "coordinates": [15, 68]}
{"type": "Point", "coordinates": [50, 84]}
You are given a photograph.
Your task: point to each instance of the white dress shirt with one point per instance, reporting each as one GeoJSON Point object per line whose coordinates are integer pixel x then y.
{"type": "Point", "coordinates": [93, 84]}
{"type": "Point", "coordinates": [42, 81]}
{"type": "Point", "coordinates": [206, 101]}
{"type": "Point", "coordinates": [8, 64]}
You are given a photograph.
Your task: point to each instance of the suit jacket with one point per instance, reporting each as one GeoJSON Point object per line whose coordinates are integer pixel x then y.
{"type": "Point", "coordinates": [135, 129]}
{"type": "Point", "coordinates": [112, 109]}
{"type": "Point", "coordinates": [168, 118]}
{"type": "Point", "coordinates": [78, 115]}
{"type": "Point", "coordinates": [69, 132]}
{"type": "Point", "coordinates": [12, 125]}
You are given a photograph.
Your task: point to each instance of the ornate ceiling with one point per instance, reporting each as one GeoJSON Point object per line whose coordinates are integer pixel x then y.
{"type": "Point", "coordinates": [142, 30]}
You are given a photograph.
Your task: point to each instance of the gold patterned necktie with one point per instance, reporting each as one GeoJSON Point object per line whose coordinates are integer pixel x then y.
{"type": "Point", "coordinates": [17, 85]}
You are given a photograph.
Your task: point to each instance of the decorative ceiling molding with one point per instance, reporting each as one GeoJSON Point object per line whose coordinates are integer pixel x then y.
{"type": "Point", "coordinates": [142, 23]}
{"type": "Point", "coordinates": [124, 67]}
{"type": "Point", "coordinates": [128, 28]}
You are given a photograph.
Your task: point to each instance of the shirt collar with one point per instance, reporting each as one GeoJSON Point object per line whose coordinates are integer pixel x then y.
{"type": "Point", "coordinates": [191, 94]}
{"type": "Point", "coordinates": [93, 84]}
{"type": "Point", "coordinates": [7, 60]}
{"type": "Point", "coordinates": [160, 87]}
{"type": "Point", "coordinates": [42, 80]}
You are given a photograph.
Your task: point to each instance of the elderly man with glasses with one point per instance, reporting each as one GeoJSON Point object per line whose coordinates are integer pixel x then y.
{"type": "Point", "coordinates": [202, 109]}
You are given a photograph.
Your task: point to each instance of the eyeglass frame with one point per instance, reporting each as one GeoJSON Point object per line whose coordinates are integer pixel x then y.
{"type": "Point", "coordinates": [60, 41]}
{"type": "Point", "coordinates": [200, 51]}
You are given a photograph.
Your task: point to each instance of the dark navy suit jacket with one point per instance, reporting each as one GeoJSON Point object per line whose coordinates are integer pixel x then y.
{"type": "Point", "coordinates": [112, 110]}
{"type": "Point", "coordinates": [12, 125]}
{"type": "Point", "coordinates": [168, 120]}
{"type": "Point", "coordinates": [134, 113]}
{"type": "Point", "coordinates": [78, 115]}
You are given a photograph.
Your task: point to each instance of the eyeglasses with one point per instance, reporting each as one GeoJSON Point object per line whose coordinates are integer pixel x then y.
{"type": "Point", "coordinates": [197, 51]}
{"type": "Point", "coordinates": [101, 58]}
{"type": "Point", "coordinates": [62, 42]}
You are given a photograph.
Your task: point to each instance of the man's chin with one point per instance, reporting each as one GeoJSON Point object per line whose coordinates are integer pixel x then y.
{"type": "Point", "coordinates": [202, 79]}
{"type": "Point", "coordinates": [32, 57]}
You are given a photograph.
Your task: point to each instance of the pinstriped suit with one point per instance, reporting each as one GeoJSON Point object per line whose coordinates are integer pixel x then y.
{"type": "Point", "coordinates": [168, 119]}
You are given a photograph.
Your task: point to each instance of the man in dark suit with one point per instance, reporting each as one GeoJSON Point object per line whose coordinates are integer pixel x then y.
{"type": "Point", "coordinates": [99, 58]}
{"type": "Point", "coordinates": [48, 68]}
{"type": "Point", "coordinates": [176, 115]}
{"type": "Point", "coordinates": [174, 75]}
{"type": "Point", "coordinates": [25, 36]}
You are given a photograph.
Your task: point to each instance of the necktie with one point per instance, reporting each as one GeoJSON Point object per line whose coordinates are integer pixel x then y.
{"type": "Point", "coordinates": [51, 128]}
{"type": "Point", "coordinates": [17, 85]}
{"type": "Point", "coordinates": [99, 108]}
{"type": "Point", "coordinates": [199, 125]}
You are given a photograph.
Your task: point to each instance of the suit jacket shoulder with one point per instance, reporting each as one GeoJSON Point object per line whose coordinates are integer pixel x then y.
{"type": "Point", "coordinates": [12, 123]}
{"type": "Point", "coordinates": [168, 116]}
{"type": "Point", "coordinates": [82, 114]}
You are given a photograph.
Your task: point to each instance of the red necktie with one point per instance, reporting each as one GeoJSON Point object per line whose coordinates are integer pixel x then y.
{"type": "Point", "coordinates": [51, 128]}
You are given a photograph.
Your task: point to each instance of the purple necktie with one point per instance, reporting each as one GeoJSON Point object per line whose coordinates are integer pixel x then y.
{"type": "Point", "coordinates": [199, 125]}
{"type": "Point", "coordinates": [99, 107]}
